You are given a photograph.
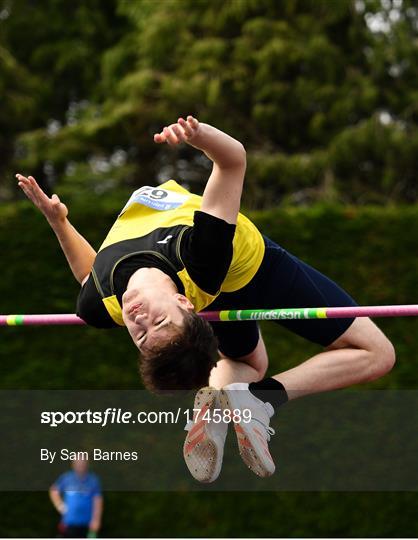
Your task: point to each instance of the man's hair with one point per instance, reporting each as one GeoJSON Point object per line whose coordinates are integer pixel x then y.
{"type": "Point", "coordinates": [185, 362]}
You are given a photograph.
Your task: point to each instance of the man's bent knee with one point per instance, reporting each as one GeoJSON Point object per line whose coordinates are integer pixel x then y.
{"type": "Point", "coordinates": [364, 334]}
{"type": "Point", "coordinates": [257, 359]}
{"type": "Point", "coordinates": [383, 359]}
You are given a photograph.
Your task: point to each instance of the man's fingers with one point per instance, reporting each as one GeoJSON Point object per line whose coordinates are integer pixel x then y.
{"type": "Point", "coordinates": [33, 192]}
{"type": "Point", "coordinates": [23, 182]}
{"type": "Point", "coordinates": [170, 136]}
{"type": "Point", "coordinates": [28, 180]}
{"type": "Point", "coordinates": [193, 123]}
{"type": "Point", "coordinates": [38, 192]}
{"type": "Point", "coordinates": [55, 200]}
{"type": "Point", "coordinates": [23, 187]}
{"type": "Point", "coordinates": [22, 178]}
{"type": "Point", "coordinates": [34, 183]}
{"type": "Point", "coordinates": [179, 132]}
{"type": "Point", "coordinates": [30, 183]}
{"type": "Point", "coordinates": [186, 127]}
{"type": "Point", "coordinates": [28, 192]}
{"type": "Point", "coordinates": [159, 138]}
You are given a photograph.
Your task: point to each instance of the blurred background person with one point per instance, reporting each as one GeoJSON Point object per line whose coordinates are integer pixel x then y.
{"type": "Point", "coordinates": [77, 496]}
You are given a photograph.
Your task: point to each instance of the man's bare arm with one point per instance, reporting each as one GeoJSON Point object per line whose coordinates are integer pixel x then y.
{"type": "Point", "coordinates": [96, 520]}
{"type": "Point", "coordinates": [222, 195]}
{"type": "Point", "coordinates": [79, 253]}
{"type": "Point", "coordinates": [56, 499]}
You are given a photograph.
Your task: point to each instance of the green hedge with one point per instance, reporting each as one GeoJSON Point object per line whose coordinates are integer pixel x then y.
{"type": "Point", "coordinates": [369, 251]}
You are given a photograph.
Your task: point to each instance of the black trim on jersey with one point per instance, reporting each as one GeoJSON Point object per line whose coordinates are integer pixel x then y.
{"type": "Point", "coordinates": [111, 257]}
{"type": "Point", "coordinates": [204, 249]}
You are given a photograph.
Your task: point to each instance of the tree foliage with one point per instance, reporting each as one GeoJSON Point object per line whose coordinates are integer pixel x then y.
{"type": "Point", "coordinates": [322, 93]}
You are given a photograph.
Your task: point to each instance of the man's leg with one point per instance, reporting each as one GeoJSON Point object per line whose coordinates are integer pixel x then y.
{"type": "Point", "coordinates": [361, 354]}
{"type": "Point", "coordinates": [355, 351]}
{"type": "Point", "coordinates": [203, 448]}
{"type": "Point", "coordinates": [249, 368]}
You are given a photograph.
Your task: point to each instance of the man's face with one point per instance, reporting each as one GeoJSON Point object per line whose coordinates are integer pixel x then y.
{"type": "Point", "coordinates": [80, 466]}
{"type": "Point", "coordinates": [153, 316]}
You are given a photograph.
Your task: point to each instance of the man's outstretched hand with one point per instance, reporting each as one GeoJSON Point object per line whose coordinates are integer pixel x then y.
{"type": "Point", "coordinates": [181, 131]}
{"type": "Point", "coordinates": [52, 208]}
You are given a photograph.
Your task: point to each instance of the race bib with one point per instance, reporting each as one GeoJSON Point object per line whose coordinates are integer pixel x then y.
{"type": "Point", "coordinates": [156, 198]}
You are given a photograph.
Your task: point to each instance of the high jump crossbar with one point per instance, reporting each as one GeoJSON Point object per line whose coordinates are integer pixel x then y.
{"type": "Point", "coordinates": [410, 310]}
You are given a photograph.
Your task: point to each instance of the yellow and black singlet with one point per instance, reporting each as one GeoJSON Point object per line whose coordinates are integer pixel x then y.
{"type": "Point", "coordinates": [162, 227]}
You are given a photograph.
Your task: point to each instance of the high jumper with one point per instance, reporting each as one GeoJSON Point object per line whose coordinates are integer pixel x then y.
{"type": "Point", "coordinates": [171, 255]}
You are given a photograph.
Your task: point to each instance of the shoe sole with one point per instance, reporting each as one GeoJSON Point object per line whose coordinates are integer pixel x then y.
{"type": "Point", "coordinates": [200, 451]}
{"type": "Point", "coordinates": [252, 448]}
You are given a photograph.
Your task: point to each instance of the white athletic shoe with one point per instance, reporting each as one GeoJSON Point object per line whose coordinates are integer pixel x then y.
{"type": "Point", "coordinates": [203, 448]}
{"type": "Point", "coordinates": [252, 436]}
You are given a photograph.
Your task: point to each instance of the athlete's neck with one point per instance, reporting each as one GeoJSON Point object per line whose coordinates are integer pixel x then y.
{"type": "Point", "coordinates": [149, 278]}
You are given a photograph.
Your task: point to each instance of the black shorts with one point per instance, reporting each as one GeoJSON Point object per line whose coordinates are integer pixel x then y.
{"type": "Point", "coordinates": [282, 281]}
{"type": "Point", "coordinates": [72, 531]}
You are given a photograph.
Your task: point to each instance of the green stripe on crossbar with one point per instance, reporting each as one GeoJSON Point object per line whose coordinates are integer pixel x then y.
{"type": "Point", "coordinates": [14, 320]}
